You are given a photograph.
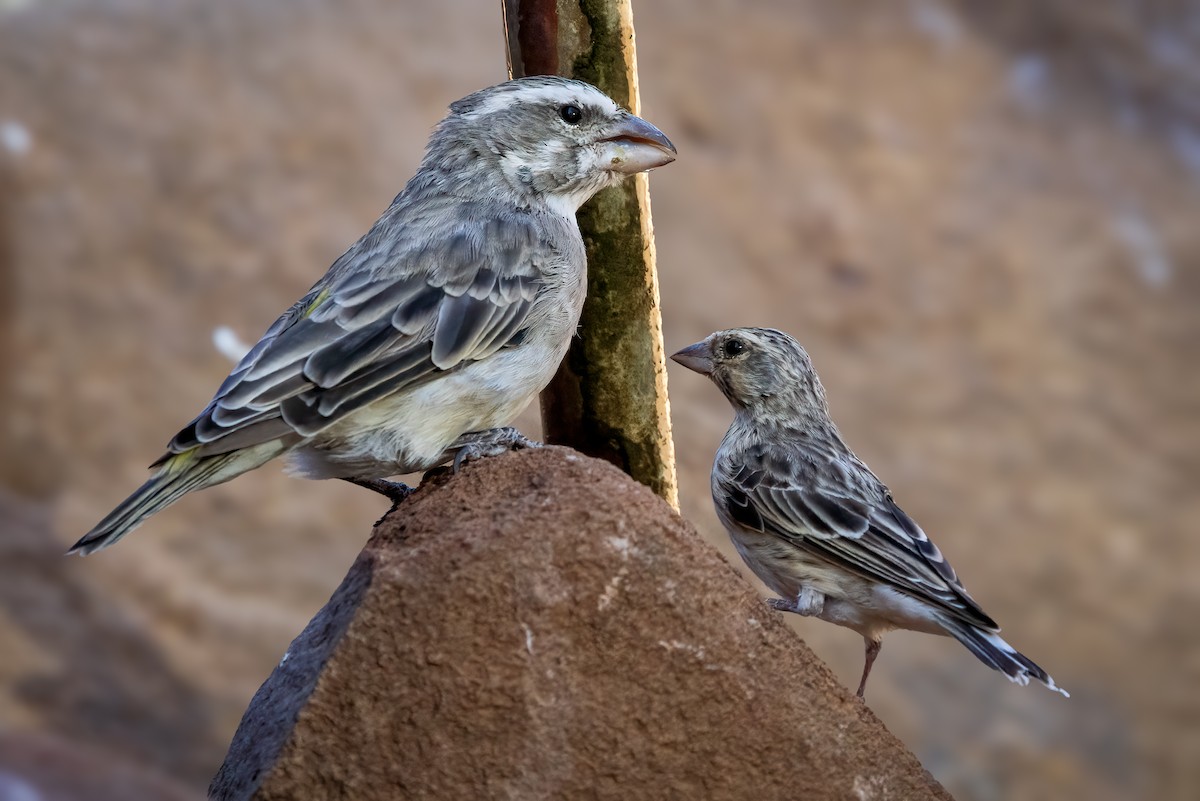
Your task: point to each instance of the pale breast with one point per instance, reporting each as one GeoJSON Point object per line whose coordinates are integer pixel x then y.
{"type": "Point", "coordinates": [411, 430]}
{"type": "Point", "coordinates": [870, 608]}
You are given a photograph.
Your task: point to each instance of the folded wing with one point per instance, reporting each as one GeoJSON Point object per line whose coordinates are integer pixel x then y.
{"type": "Point", "coordinates": [400, 317]}
{"type": "Point", "coordinates": [873, 538]}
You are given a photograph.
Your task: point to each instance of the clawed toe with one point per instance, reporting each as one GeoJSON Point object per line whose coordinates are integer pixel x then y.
{"type": "Point", "coordinates": [493, 442]}
{"type": "Point", "coordinates": [470, 453]}
{"type": "Point", "coordinates": [809, 603]}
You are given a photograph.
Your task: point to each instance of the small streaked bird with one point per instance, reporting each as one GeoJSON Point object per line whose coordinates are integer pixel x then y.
{"type": "Point", "coordinates": [814, 523]}
{"type": "Point", "coordinates": [437, 328]}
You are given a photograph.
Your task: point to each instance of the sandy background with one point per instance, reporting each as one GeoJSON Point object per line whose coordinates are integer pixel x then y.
{"type": "Point", "coordinates": [980, 220]}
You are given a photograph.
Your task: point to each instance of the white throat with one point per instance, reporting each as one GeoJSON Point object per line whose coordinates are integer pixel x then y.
{"type": "Point", "coordinates": [565, 205]}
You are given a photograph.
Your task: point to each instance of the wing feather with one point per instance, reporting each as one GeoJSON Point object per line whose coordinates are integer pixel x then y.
{"type": "Point", "coordinates": [404, 367]}
{"type": "Point", "coordinates": [875, 540]}
{"type": "Point", "coordinates": [410, 314]}
{"type": "Point", "coordinates": [330, 364]}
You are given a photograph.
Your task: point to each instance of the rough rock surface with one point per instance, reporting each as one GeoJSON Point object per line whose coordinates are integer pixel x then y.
{"type": "Point", "coordinates": [541, 626]}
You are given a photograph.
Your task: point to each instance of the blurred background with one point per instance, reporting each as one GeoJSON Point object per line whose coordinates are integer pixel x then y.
{"type": "Point", "coordinates": [980, 218]}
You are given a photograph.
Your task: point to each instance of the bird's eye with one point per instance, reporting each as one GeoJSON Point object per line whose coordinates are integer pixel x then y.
{"type": "Point", "coordinates": [733, 347]}
{"type": "Point", "coordinates": [570, 114]}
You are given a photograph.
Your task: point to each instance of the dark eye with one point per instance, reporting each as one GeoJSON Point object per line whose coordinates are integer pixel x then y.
{"type": "Point", "coordinates": [570, 114]}
{"type": "Point", "coordinates": [733, 347]}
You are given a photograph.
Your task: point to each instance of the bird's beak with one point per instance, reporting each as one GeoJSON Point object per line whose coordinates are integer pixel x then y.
{"type": "Point", "coordinates": [632, 145]}
{"type": "Point", "coordinates": [696, 357]}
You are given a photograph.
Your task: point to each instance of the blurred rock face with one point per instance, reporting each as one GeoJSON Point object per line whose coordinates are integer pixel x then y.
{"type": "Point", "coordinates": [541, 626]}
{"type": "Point", "coordinates": [980, 222]}
{"type": "Point", "coordinates": [34, 767]}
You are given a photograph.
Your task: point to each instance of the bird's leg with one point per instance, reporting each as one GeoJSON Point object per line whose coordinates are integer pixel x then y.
{"type": "Point", "coordinates": [809, 603]}
{"type": "Point", "coordinates": [492, 442]}
{"type": "Point", "coordinates": [873, 647]}
{"type": "Point", "coordinates": [394, 491]}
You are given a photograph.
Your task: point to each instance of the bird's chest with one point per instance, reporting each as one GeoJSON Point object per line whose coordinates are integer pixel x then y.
{"type": "Point", "coordinates": [788, 569]}
{"type": "Point", "coordinates": [783, 567]}
{"type": "Point", "coordinates": [561, 304]}
{"type": "Point", "coordinates": [412, 429]}
{"type": "Point", "coordinates": [867, 607]}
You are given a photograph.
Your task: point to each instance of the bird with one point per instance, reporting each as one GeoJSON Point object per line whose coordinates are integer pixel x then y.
{"type": "Point", "coordinates": [430, 334]}
{"type": "Point", "coordinates": [814, 523]}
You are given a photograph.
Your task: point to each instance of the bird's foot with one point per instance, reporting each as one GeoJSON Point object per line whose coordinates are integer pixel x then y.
{"type": "Point", "coordinates": [809, 603]}
{"type": "Point", "coordinates": [492, 442]}
{"type": "Point", "coordinates": [395, 491]}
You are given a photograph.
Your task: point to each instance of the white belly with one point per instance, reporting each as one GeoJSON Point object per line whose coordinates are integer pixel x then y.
{"type": "Point", "coordinates": [870, 608]}
{"type": "Point", "coordinates": [411, 431]}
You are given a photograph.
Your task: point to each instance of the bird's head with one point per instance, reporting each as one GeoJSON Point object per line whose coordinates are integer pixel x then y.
{"type": "Point", "coordinates": [760, 370]}
{"type": "Point", "coordinates": [554, 141]}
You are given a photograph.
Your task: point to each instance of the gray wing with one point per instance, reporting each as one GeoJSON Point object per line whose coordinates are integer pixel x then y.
{"type": "Point", "coordinates": [873, 539]}
{"type": "Point", "coordinates": [387, 319]}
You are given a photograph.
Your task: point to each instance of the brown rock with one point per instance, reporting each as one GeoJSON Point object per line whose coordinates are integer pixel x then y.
{"type": "Point", "coordinates": [540, 626]}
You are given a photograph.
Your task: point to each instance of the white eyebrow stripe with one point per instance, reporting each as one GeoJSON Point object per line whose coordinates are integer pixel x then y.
{"type": "Point", "coordinates": [576, 93]}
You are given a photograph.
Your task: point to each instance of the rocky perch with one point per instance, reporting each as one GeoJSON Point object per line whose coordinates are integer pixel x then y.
{"type": "Point", "coordinates": [540, 626]}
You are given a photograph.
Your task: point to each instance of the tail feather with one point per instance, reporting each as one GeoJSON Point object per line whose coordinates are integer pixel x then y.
{"type": "Point", "coordinates": [993, 651]}
{"type": "Point", "coordinates": [177, 476]}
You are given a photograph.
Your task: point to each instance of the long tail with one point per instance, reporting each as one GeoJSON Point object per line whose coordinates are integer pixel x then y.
{"type": "Point", "coordinates": [178, 475]}
{"type": "Point", "coordinates": [994, 652]}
